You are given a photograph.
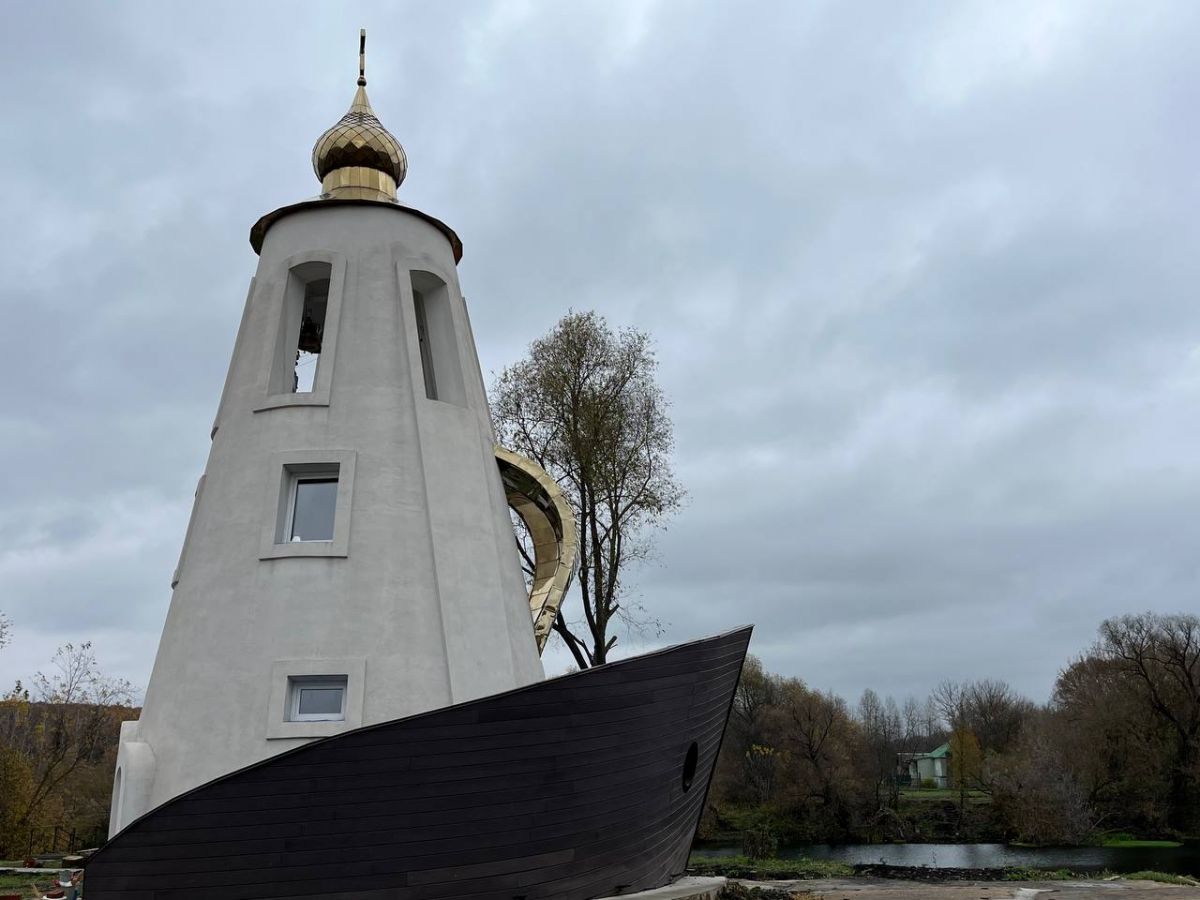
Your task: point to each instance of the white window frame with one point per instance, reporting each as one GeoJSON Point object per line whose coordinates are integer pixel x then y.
{"type": "Point", "coordinates": [278, 724]}
{"type": "Point", "coordinates": [295, 478]}
{"type": "Point", "coordinates": [299, 683]}
{"type": "Point", "coordinates": [279, 502]}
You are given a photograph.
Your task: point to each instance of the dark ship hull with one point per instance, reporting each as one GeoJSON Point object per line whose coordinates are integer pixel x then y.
{"type": "Point", "coordinates": [584, 786]}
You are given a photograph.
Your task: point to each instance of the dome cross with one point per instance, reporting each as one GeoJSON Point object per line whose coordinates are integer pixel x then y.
{"type": "Point", "coordinates": [362, 57]}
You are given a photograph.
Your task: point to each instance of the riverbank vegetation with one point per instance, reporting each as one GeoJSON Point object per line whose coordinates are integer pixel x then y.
{"type": "Point", "coordinates": [1115, 752]}
{"type": "Point", "coordinates": [806, 869]}
{"type": "Point", "coordinates": [1124, 839]}
{"type": "Point", "coordinates": [1161, 878]}
{"type": "Point", "coordinates": [767, 869]}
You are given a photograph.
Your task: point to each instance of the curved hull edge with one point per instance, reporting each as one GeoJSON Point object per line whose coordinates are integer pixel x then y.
{"type": "Point", "coordinates": [584, 786]}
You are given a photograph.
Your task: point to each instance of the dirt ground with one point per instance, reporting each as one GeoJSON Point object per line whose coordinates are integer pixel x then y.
{"type": "Point", "coordinates": [886, 889]}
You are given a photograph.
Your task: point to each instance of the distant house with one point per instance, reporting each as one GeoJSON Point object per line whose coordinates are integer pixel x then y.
{"type": "Point", "coordinates": [922, 768]}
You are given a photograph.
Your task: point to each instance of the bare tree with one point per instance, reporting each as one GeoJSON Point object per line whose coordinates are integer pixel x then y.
{"type": "Point", "coordinates": [996, 713]}
{"type": "Point", "coordinates": [966, 756]}
{"type": "Point", "coordinates": [922, 725]}
{"type": "Point", "coordinates": [585, 406]}
{"type": "Point", "coordinates": [1113, 742]}
{"type": "Point", "coordinates": [1160, 655]}
{"type": "Point", "coordinates": [757, 692]}
{"type": "Point", "coordinates": [821, 737]}
{"type": "Point", "coordinates": [882, 734]}
{"type": "Point", "coordinates": [950, 700]}
{"type": "Point", "coordinates": [1037, 790]}
{"type": "Point", "coordinates": [990, 709]}
{"type": "Point", "coordinates": [5, 631]}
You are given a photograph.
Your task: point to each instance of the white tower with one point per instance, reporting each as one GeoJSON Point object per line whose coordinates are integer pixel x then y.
{"type": "Point", "coordinates": [350, 557]}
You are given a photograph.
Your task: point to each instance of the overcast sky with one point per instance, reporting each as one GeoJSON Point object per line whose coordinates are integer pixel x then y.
{"type": "Point", "coordinates": [921, 276]}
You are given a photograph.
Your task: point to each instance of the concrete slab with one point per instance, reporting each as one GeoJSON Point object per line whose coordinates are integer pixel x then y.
{"type": "Point", "coordinates": [690, 888]}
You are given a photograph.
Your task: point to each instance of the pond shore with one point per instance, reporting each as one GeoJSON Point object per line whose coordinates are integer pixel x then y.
{"type": "Point", "coordinates": [866, 888]}
{"type": "Point", "coordinates": [815, 860]}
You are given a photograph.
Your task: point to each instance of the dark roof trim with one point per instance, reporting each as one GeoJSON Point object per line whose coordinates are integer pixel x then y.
{"type": "Point", "coordinates": [259, 232]}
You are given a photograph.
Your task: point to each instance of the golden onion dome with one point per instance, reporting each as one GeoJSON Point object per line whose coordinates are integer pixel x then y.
{"type": "Point", "coordinates": [358, 158]}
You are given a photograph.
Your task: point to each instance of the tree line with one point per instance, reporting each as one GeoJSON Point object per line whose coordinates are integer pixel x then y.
{"type": "Point", "coordinates": [1117, 747]}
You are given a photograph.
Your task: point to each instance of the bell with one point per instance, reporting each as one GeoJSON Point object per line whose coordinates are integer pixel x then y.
{"type": "Point", "coordinates": [310, 335]}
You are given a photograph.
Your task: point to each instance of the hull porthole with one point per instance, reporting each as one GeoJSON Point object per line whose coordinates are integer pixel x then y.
{"type": "Point", "coordinates": [689, 766]}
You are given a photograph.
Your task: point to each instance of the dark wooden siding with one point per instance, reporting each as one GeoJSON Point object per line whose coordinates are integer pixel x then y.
{"type": "Point", "coordinates": [571, 788]}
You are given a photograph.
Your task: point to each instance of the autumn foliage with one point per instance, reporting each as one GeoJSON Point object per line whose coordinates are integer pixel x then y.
{"type": "Point", "coordinates": [1117, 747]}
{"type": "Point", "coordinates": [58, 744]}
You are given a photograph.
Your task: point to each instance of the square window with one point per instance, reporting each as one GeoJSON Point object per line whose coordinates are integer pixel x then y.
{"type": "Point", "coordinates": [317, 698]}
{"type": "Point", "coordinates": [311, 508]}
{"type": "Point", "coordinates": [308, 702]}
{"type": "Point", "coordinates": [307, 506]}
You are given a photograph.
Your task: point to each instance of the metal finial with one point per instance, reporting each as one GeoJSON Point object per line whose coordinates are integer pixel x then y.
{"type": "Point", "coordinates": [362, 57]}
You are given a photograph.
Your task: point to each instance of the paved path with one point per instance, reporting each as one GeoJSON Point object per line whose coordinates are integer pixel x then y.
{"type": "Point", "coordinates": [887, 889]}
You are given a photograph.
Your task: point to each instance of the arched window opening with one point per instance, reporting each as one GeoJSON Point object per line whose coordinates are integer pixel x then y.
{"type": "Point", "coordinates": [436, 339]}
{"type": "Point", "coordinates": [302, 329]}
{"type": "Point", "coordinates": [114, 813]}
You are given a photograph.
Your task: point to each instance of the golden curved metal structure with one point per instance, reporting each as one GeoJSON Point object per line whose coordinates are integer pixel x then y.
{"type": "Point", "coordinates": [539, 501]}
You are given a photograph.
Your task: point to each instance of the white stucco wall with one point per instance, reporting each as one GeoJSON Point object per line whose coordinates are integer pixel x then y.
{"type": "Point", "coordinates": [423, 606]}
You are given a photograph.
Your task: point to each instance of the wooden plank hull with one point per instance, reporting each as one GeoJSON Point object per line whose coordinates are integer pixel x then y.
{"type": "Point", "coordinates": [578, 787]}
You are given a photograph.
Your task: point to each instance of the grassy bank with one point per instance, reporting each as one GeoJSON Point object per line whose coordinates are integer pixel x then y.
{"type": "Point", "coordinates": [1029, 874]}
{"type": "Point", "coordinates": [1162, 877]}
{"type": "Point", "coordinates": [927, 794]}
{"type": "Point", "coordinates": [19, 884]}
{"type": "Point", "coordinates": [788, 869]}
{"type": "Point", "coordinates": [1124, 839]}
{"type": "Point", "coordinates": [767, 869]}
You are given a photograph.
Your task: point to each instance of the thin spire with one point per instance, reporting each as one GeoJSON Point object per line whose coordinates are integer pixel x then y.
{"type": "Point", "coordinates": [362, 57]}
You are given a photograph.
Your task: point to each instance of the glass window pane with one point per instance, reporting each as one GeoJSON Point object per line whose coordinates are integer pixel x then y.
{"type": "Point", "coordinates": [320, 701]}
{"type": "Point", "coordinates": [312, 516]}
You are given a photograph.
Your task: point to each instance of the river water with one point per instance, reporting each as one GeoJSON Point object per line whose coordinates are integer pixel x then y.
{"type": "Point", "coordinates": [1183, 860]}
